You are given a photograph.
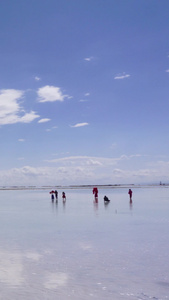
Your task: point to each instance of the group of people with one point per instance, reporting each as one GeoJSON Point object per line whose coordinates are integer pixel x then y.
{"type": "Point", "coordinates": [106, 199]}
{"type": "Point", "coordinates": [95, 193]}
{"type": "Point", "coordinates": [56, 196]}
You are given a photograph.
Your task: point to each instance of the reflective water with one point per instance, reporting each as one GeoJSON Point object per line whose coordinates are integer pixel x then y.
{"type": "Point", "coordinates": [84, 250]}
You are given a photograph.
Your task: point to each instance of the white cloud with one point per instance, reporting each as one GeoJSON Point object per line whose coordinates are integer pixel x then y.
{"type": "Point", "coordinates": [28, 117]}
{"type": "Point", "coordinates": [50, 94]}
{"type": "Point", "coordinates": [167, 71]}
{"type": "Point", "coordinates": [11, 111]}
{"type": "Point", "coordinates": [122, 76]}
{"type": "Point", "coordinates": [37, 78]}
{"type": "Point", "coordinates": [94, 162]}
{"type": "Point", "coordinates": [21, 140]}
{"type": "Point", "coordinates": [80, 125]}
{"type": "Point", "coordinates": [87, 94]}
{"type": "Point", "coordinates": [44, 120]}
{"type": "Point", "coordinates": [89, 170]}
{"type": "Point", "coordinates": [113, 146]}
{"type": "Point", "coordinates": [50, 129]}
{"type": "Point", "coordinates": [82, 100]}
{"type": "Point", "coordinates": [88, 58]}
{"type": "Point", "coordinates": [9, 104]}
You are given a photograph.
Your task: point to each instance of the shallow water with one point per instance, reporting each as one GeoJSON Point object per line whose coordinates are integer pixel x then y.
{"type": "Point", "coordinates": [84, 250]}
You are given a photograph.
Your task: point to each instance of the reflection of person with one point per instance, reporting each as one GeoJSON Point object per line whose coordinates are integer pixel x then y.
{"type": "Point", "coordinates": [130, 194]}
{"type": "Point", "coordinates": [63, 196]}
{"type": "Point", "coordinates": [95, 192]}
{"type": "Point", "coordinates": [131, 204]}
{"type": "Point", "coordinates": [56, 194]}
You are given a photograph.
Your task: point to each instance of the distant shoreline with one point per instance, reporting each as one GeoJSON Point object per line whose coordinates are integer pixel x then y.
{"type": "Point", "coordinates": [71, 187]}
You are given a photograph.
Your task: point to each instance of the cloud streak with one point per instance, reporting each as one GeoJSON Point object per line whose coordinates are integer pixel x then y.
{"type": "Point", "coordinates": [79, 125]}
{"type": "Point", "coordinates": [122, 76]}
{"type": "Point", "coordinates": [44, 120]}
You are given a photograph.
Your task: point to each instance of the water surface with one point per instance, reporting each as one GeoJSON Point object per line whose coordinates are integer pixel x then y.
{"type": "Point", "coordinates": [84, 250]}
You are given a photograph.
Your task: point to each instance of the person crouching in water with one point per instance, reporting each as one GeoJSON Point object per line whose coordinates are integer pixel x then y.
{"type": "Point", "coordinates": [63, 196]}
{"type": "Point", "coordinates": [106, 199]}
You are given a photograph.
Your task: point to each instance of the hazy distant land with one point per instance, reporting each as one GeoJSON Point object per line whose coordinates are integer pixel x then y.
{"type": "Point", "coordinates": [83, 186]}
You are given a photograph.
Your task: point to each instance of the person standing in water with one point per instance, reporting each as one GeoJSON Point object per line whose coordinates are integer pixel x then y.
{"type": "Point", "coordinates": [95, 193]}
{"type": "Point", "coordinates": [130, 194]}
{"type": "Point", "coordinates": [63, 196]}
{"type": "Point", "coordinates": [56, 195]}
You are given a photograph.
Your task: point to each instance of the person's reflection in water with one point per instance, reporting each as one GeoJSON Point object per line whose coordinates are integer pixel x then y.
{"type": "Point", "coordinates": [106, 204]}
{"type": "Point", "coordinates": [95, 202]}
{"type": "Point", "coordinates": [52, 197]}
{"type": "Point", "coordinates": [106, 201]}
{"type": "Point", "coordinates": [54, 206]}
{"type": "Point", "coordinates": [64, 200]}
{"type": "Point", "coordinates": [131, 204]}
{"type": "Point", "coordinates": [64, 204]}
{"type": "Point", "coordinates": [52, 203]}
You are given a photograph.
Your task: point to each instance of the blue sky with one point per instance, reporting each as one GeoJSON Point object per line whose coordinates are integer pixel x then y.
{"type": "Point", "coordinates": [84, 92]}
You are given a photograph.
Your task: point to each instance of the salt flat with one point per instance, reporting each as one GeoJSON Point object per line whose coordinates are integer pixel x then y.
{"type": "Point", "coordinates": [84, 250]}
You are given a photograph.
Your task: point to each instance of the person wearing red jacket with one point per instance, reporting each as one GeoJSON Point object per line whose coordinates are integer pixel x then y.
{"type": "Point", "coordinates": [63, 196]}
{"type": "Point", "coordinates": [95, 192]}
